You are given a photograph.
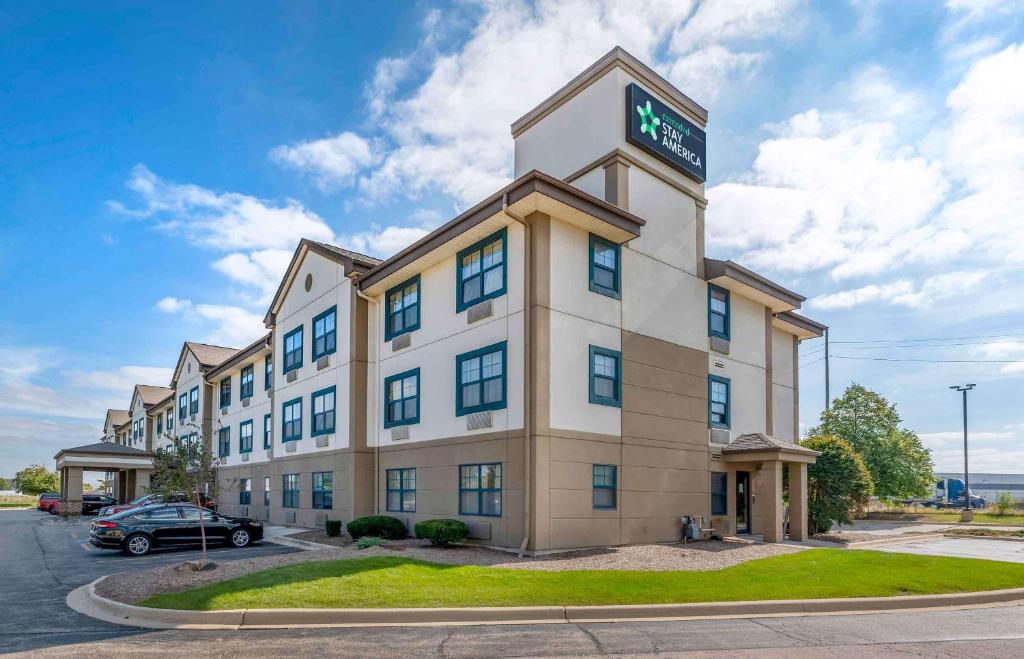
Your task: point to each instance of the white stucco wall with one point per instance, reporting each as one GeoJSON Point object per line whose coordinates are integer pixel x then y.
{"type": "Point", "coordinates": [330, 288]}
{"type": "Point", "coordinates": [237, 413]}
{"type": "Point", "coordinates": [443, 335]}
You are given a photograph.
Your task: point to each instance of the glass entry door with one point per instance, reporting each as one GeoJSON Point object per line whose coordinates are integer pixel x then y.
{"type": "Point", "coordinates": [742, 502]}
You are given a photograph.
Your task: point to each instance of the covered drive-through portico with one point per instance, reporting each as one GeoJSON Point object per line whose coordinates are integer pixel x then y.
{"type": "Point", "coordinates": [132, 466]}
{"type": "Point", "coordinates": [756, 462]}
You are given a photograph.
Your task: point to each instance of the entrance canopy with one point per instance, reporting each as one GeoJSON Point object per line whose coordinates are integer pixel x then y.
{"type": "Point", "coordinates": [765, 457]}
{"type": "Point", "coordinates": [132, 466]}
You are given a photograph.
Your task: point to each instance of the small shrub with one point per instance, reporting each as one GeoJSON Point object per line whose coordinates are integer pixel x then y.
{"type": "Point", "coordinates": [380, 526]}
{"type": "Point", "coordinates": [442, 532]}
{"type": "Point", "coordinates": [333, 528]}
{"type": "Point", "coordinates": [1004, 503]}
{"type": "Point", "coordinates": [367, 541]}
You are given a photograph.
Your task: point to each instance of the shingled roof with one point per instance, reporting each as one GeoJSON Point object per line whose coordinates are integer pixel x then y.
{"type": "Point", "coordinates": [210, 355]}
{"type": "Point", "coordinates": [755, 442]}
{"type": "Point", "coordinates": [151, 395]}
{"type": "Point", "coordinates": [106, 448]}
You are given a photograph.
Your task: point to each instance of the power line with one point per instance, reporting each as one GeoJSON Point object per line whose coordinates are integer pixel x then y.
{"type": "Point", "coordinates": [822, 358]}
{"type": "Point", "coordinates": [930, 345]}
{"type": "Point", "coordinates": [932, 361]}
{"type": "Point", "coordinates": [944, 338]}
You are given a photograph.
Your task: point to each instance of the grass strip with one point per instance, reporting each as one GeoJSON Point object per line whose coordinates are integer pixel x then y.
{"type": "Point", "coordinates": [394, 582]}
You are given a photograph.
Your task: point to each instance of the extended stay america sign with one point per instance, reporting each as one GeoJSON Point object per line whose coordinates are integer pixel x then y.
{"type": "Point", "coordinates": [663, 132]}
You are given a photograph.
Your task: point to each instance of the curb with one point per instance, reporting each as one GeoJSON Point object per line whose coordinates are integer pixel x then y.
{"type": "Point", "coordinates": [84, 600]}
{"type": "Point", "coordinates": [868, 544]}
{"type": "Point", "coordinates": [983, 537]}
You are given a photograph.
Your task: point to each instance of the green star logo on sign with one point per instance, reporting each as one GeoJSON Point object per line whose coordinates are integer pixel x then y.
{"type": "Point", "coordinates": [650, 122]}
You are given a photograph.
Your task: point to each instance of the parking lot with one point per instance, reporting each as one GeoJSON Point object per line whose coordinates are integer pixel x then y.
{"type": "Point", "coordinates": [42, 558]}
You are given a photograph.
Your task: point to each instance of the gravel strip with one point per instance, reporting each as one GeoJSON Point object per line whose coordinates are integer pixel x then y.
{"type": "Point", "coordinates": [132, 587]}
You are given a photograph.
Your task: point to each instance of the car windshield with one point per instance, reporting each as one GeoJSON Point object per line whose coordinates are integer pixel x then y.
{"type": "Point", "coordinates": [142, 499]}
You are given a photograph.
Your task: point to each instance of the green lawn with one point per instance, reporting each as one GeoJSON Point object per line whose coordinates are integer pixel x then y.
{"type": "Point", "coordinates": [381, 582]}
{"type": "Point", "coordinates": [947, 517]}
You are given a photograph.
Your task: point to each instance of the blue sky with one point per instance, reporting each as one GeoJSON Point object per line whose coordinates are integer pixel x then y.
{"type": "Point", "coordinates": [158, 165]}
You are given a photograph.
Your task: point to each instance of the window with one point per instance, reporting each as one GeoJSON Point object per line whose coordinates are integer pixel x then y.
{"type": "Point", "coordinates": [323, 489]}
{"type": "Point", "coordinates": [291, 420]}
{"type": "Point", "coordinates": [245, 437]}
{"type": "Point", "coordinates": [225, 392]}
{"type": "Point", "coordinates": [718, 402]}
{"type": "Point", "coordinates": [719, 493]}
{"type": "Point", "coordinates": [191, 512]}
{"type": "Point", "coordinates": [159, 424]}
{"type": "Point", "coordinates": [268, 372]}
{"type": "Point", "coordinates": [245, 386]}
{"type": "Point", "coordinates": [293, 349]}
{"type": "Point", "coordinates": [605, 277]}
{"type": "Point", "coordinates": [192, 445]}
{"type": "Point", "coordinates": [480, 380]}
{"type": "Point", "coordinates": [158, 514]}
{"type": "Point", "coordinates": [323, 412]}
{"type": "Point", "coordinates": [718, 312]}
{"type": "Point", "coordinates": [403, 310]}
{"type": "Point", "coordinates": [605, 484]}
{"type": "Point", "coordinates": [224, 441]}
{"type": "Point", "coordinates": [170, 419]}
{"type": "Point", "coordinates": [480, 490]}
{"type": "Point", "coordinates": [290, 491]}
{"type": "Point", "coordinates": [325, 333]}
{"type": "Point", "coordinates": [402, 399]}
{"type": "Point", "coordinates": [267, 430]}
{"type": "Point", "coordinates": [244, 491]}
{"type": "Point", "coordinates": [182, 406]}
{"type": "Point", "coordinates": [480, 271]}
{"type": "Point", "coordinates": [605, 376]}
{"type": "Point", "coordinates": [193, 401]}
{"type": "Point", "coordinates": [266, 490]}
{"type": "Point", "coordinates": [401, 484]}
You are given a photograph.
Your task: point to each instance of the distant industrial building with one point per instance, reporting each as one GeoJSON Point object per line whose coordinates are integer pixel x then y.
{"type": "Point", "coordinates": [990, 485]}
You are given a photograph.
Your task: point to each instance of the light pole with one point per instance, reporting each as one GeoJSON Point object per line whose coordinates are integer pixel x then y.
{"type": "Point", "coordinates": [967, 478]}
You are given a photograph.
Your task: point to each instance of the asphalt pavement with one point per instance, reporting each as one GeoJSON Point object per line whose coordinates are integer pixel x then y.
{"type": "Point", "coordinates": [42, 558]}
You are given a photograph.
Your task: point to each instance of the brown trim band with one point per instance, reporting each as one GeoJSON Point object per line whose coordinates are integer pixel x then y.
{"type": "Point", "coordinates": [802, 322]}
{"type": "Point", "coordinates": [533, 181]}
{"type": "Point", "coordinates": [615, 57]}
{"type": "Point", "coordinates": [714, 268]}
{"type": "Point", "coordinates": [618, 155]}
{"type": "Point", "coordinates": [240, 356]}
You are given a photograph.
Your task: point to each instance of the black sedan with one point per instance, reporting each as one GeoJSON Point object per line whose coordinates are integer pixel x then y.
{"type": "Point", "coordinates": [92, 503]}
{"type": "Point", "coordinates": [136, 532]}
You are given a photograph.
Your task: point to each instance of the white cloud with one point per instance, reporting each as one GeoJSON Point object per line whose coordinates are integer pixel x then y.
{"type": "Point", "coordinates": [232, 325]}
{"type": "Point", "coordinates": [221, 220]}
{"type": "Point", "coordinates": [926, 294]}
{"type": "Point", "coordinates": [333, 162]}
{"type": "Point", "coordinates": [122, 379]}
{"type": "Point", "coordinates": [449, 133]}
{"type": "Point", "coordinates": [261, 270]}
{"type": "Point", "coordinates": [385, 242]}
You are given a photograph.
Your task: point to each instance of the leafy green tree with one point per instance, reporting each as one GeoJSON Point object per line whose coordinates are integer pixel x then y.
{"type": "Point", "coordinates": [899, 464]}
{"type": "Point", "coordinates": [837, 482]}
{"type": "Point", "coordinates": [188, 467]}
{"type": "Point", "coordinates": [5, 484]}
{"type": "Point", "coordinates": [36, 480]}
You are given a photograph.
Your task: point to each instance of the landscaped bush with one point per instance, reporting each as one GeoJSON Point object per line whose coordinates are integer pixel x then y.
{"type": "Point", "coordinates": [1004, 503]}
{"type": "Point", "coordinates": [333, 528]}
{"type": "Point", "coordinates": [381, 526]}
{"type": "Point", "coordinates": [442, 532]}
{"type": "Point", "coordinates": [368, 541]}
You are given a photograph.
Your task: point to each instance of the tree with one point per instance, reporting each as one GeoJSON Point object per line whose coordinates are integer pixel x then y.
{"type": "Point", "coordinates": [837, 482]}
{"type": "Point", "coordinates": [899, 464]}
{"type": "Point", "coordinates": [187, 466]}
{"type": "Point", "coordinates": [5, 484]}
{"type": "Point", "coordinates": [36, 480]}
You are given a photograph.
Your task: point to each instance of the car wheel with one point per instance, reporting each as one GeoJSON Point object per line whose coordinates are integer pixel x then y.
{"type": "Point", "coordinates": [240, 538]}
{"type": "Point", "coordinates": [53, 511]}
{"type": "Point", "coordinates": [137, 545]}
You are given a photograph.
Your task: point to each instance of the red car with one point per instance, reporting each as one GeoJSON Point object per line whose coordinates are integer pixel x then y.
{"type": "Point", "coordinates": [150, 499]}
{"type": "Point", "coordinates": [48, 502]}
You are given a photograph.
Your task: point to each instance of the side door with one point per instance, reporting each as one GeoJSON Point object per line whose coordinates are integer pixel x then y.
{"type": "Point", "coordinates": [164, 524]}
{"type": "Point", "coordinates": [215, 528]}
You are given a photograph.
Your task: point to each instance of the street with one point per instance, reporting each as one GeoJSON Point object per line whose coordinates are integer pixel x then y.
{"type": "Point", "coordinates": [42, 560]}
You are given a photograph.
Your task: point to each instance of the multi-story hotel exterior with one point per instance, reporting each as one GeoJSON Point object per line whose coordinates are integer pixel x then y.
{"type": "Point", "coordinates": [559, 366]}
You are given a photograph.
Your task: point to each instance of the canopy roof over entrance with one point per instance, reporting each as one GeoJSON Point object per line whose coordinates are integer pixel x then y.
{"type": "Point", "coordinates": [105, 456]}
{"type": "Point", "coordinates": [758, 447]}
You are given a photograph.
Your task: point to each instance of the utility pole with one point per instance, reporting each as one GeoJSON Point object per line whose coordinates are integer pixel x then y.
{"type": "Point", "coordinates": [967, 477]}
{"type": "Point", "coordinates": [828, 397]}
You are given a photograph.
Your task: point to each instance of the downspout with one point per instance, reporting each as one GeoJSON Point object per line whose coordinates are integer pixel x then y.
{"type": "Point", "coordinates": [376, 388]}
{"type": "Point", "coordinates": [527, 372]}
